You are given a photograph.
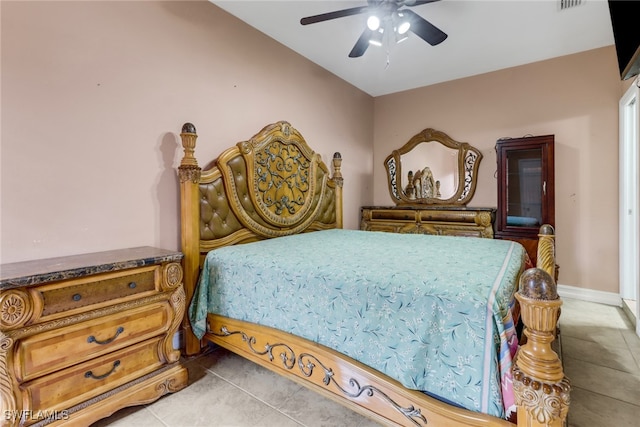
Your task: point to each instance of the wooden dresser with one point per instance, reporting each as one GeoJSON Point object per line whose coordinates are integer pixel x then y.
{"type": "Point", "coordinates": [451, 221]}
{"type": "Point", "coordinates": [83, 336]}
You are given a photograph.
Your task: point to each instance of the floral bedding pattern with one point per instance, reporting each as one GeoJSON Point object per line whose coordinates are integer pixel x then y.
{"type": "Point", "coordinates": [432, 312]}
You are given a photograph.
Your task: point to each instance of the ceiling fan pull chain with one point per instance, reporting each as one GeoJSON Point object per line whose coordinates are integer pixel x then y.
{"type": "Point", "coordinates": [387, 42]}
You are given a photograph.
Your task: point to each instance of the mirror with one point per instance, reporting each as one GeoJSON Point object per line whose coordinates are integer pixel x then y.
{"type": "Point", "coordinates": [432, 168]}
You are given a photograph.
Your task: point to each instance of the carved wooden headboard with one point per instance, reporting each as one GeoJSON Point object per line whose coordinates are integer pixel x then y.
{"type": "Point", "coordinates": [271, 185]}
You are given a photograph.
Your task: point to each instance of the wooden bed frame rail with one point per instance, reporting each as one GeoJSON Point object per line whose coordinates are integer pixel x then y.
{"type": "Point", "coordinates": [541, 389]}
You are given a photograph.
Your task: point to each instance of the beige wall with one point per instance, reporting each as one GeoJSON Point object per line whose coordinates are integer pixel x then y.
{"type": "Point", "coordinates": [94, 95]}
{"type": "Point", "coordinates": [573, 97]}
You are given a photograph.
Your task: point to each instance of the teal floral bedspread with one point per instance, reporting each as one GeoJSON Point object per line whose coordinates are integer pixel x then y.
{"type": "Point", "coordinates": [432, 312]}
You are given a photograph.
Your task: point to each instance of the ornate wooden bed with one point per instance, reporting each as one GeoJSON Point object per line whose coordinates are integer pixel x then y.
{"type": "Point", "coordinates": [227, 204]}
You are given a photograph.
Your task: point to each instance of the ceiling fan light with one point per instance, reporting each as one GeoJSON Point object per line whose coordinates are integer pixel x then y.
{"type": "Point", "coordinates": [376, 37]}
{"type": "Point", "coordinates": [401, 37]}
{"type": "Point", "coordinates": [373, 22]}
{"type": "Point", "coordinates": [403, 27]}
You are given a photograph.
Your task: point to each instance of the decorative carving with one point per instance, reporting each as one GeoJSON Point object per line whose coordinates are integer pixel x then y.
{"type": "Point", "coordinates": [189, 174]}
{"type": "Point", "coordinates": [546, 255]}
{"type": "Point", "coordinates": [282, 178]}
{"type": "Point", "coordinates": [483, 219]}
{"type": "Point", "coordinates": [307, 362]}
{"type": "Point", "coordinates": [188, 136]}
{"type": "Point", "coordinates": [288, 357]}
{"type": "Point", "coordinates": [540, 387]}
{"type": "Point", "coordinates": [337, 173]}
{"type": "Point", "coordinates": [307, 370]}
{"type": "Point", "coordinates": [7, 399]}
{"type": "Point", "coordinates": [392, 175]}
{"type": "Point", "coordinates": [170, 385]}
{"type": "Point", "coordinates": [188, 170]}
{"type": "Point", "coordinates": [172, 275]}
{"type": "Point", "coordinates": [471, 160]}
{"type": "Point", "coordinates": [544, 402]}
{"type": "Point", "coordinates": [16, 308]}
{"type": "Point", "coordinates": [178, 303]}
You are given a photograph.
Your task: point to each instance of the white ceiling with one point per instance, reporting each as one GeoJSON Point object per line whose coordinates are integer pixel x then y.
{"type": "Point", "coordinates": [484, 36]}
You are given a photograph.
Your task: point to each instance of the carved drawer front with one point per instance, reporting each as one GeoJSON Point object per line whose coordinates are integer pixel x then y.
{"type": "Point", "coordinates": [465, 232]}
{"type": "Point", "coordinates": [393, 215]}
{"type": "Point", "coordinates": [71, 386]}
{"type": "Point", "coordinates": [381, 226]}
{"type": "Point", "coordinates": [50, 351]}
{"type": "Point", "coordinates": [100, 289]}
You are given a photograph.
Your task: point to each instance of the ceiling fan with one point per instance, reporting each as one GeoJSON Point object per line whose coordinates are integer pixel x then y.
{"type": "Point", "coordinates": [385, 17]}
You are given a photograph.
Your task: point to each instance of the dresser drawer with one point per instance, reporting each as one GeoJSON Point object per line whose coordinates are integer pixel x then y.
{"type": "Point", "coordinates": [97, 290]}
{"type": "Point", "coordinates": [71, 386]}
{"type": "Point", "coordinates": [47, 352]}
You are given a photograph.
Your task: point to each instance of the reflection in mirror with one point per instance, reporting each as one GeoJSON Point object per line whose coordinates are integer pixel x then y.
{"type": "Point", "coordinates": [524, 198]}
{"type": "Point", "coordinates": [431, 169]}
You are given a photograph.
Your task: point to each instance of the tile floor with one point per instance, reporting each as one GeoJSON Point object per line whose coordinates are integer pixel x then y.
{"type": "Point", "coordinates": [601, 357]}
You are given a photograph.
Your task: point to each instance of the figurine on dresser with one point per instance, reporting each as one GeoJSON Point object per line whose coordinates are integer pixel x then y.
{"type": "Point", "coordinates": [422, 185]}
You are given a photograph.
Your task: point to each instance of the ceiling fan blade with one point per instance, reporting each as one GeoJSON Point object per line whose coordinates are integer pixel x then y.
{"type": "Point", "coordinates": [362, 44]}
{"type": "Point", "coordinates": [412, 3]}
{"type": "Point", "coordinates": [333, 15]}
{"type": "Point", "coordinates": [425, 29]}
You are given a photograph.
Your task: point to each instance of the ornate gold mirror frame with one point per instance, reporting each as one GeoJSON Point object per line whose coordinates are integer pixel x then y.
{"type": "Point", "coordinates": [421, 186]}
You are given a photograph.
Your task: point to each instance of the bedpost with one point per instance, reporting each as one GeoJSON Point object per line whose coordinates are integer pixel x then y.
{"type": "Point", "coordinates": [540, 387]}
{"type": "Point", "coordinates": [546, 255]}
{"type": "Point", "coordinates": [189, 174]}
{"type": "Point", "coordinates": [337, 177]}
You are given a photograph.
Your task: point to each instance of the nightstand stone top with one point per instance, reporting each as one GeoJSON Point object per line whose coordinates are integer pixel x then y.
{"type": "Point", "coordinates": [36, 272]}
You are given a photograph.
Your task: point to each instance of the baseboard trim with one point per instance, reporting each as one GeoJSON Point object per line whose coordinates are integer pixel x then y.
{"type": "Point", "coordinates": [601, 297]}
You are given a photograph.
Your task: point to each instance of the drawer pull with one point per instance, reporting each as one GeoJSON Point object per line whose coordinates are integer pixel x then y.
{"type": "Point", "coordinates": [76, 297]}
{"type": "Point", "coordinates": [89, 374]}
{"type": "Point", "coordinates": [132, 285]}
{"type": "Point", "coordinates": [107, 341]}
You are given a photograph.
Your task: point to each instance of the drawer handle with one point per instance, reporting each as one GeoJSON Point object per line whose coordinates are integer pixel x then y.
{"type": "Point", "coordinates": [76, 297]}
{"type": "Point", "coordinates": [89, 374]}
{"type": "Point", "coordinates": [132, 285]}
{"type": "Point", "coordinates": [118, 332]}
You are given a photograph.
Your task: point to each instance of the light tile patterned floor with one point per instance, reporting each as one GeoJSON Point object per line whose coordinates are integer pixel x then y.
{"type": "Point", "coordinates": [601, 357]}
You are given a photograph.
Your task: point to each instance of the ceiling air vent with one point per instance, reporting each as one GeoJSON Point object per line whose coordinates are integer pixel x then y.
{"type": "Point", "coordinates": [568, 4]}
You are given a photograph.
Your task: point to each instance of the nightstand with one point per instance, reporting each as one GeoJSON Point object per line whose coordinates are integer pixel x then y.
{"type": "Point", "coordinates": [83, 336]}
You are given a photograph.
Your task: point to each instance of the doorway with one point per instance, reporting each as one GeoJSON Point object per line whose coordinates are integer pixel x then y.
{"type": "Point", "coordinates": [629, 161]}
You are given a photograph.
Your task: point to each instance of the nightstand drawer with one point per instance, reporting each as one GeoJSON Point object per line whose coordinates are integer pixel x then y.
{"type": "Point", "coordinates": [99, 289]}
{"type": "Point", "coordinates": [82, 382]}
{"type": "Point", "coordinates": [47, 352]}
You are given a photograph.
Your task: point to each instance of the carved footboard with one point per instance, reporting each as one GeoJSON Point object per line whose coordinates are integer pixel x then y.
{"type": "Point", "coordinates": [339, 378]}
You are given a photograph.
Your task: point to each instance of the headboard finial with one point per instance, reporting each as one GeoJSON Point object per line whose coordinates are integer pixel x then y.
{"type": "Point", "coordinates": [188, 128]}
{"type": "Point", "coordinates": [337, 164]}
{"type": "Point", "coordinates": [189, 137]}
